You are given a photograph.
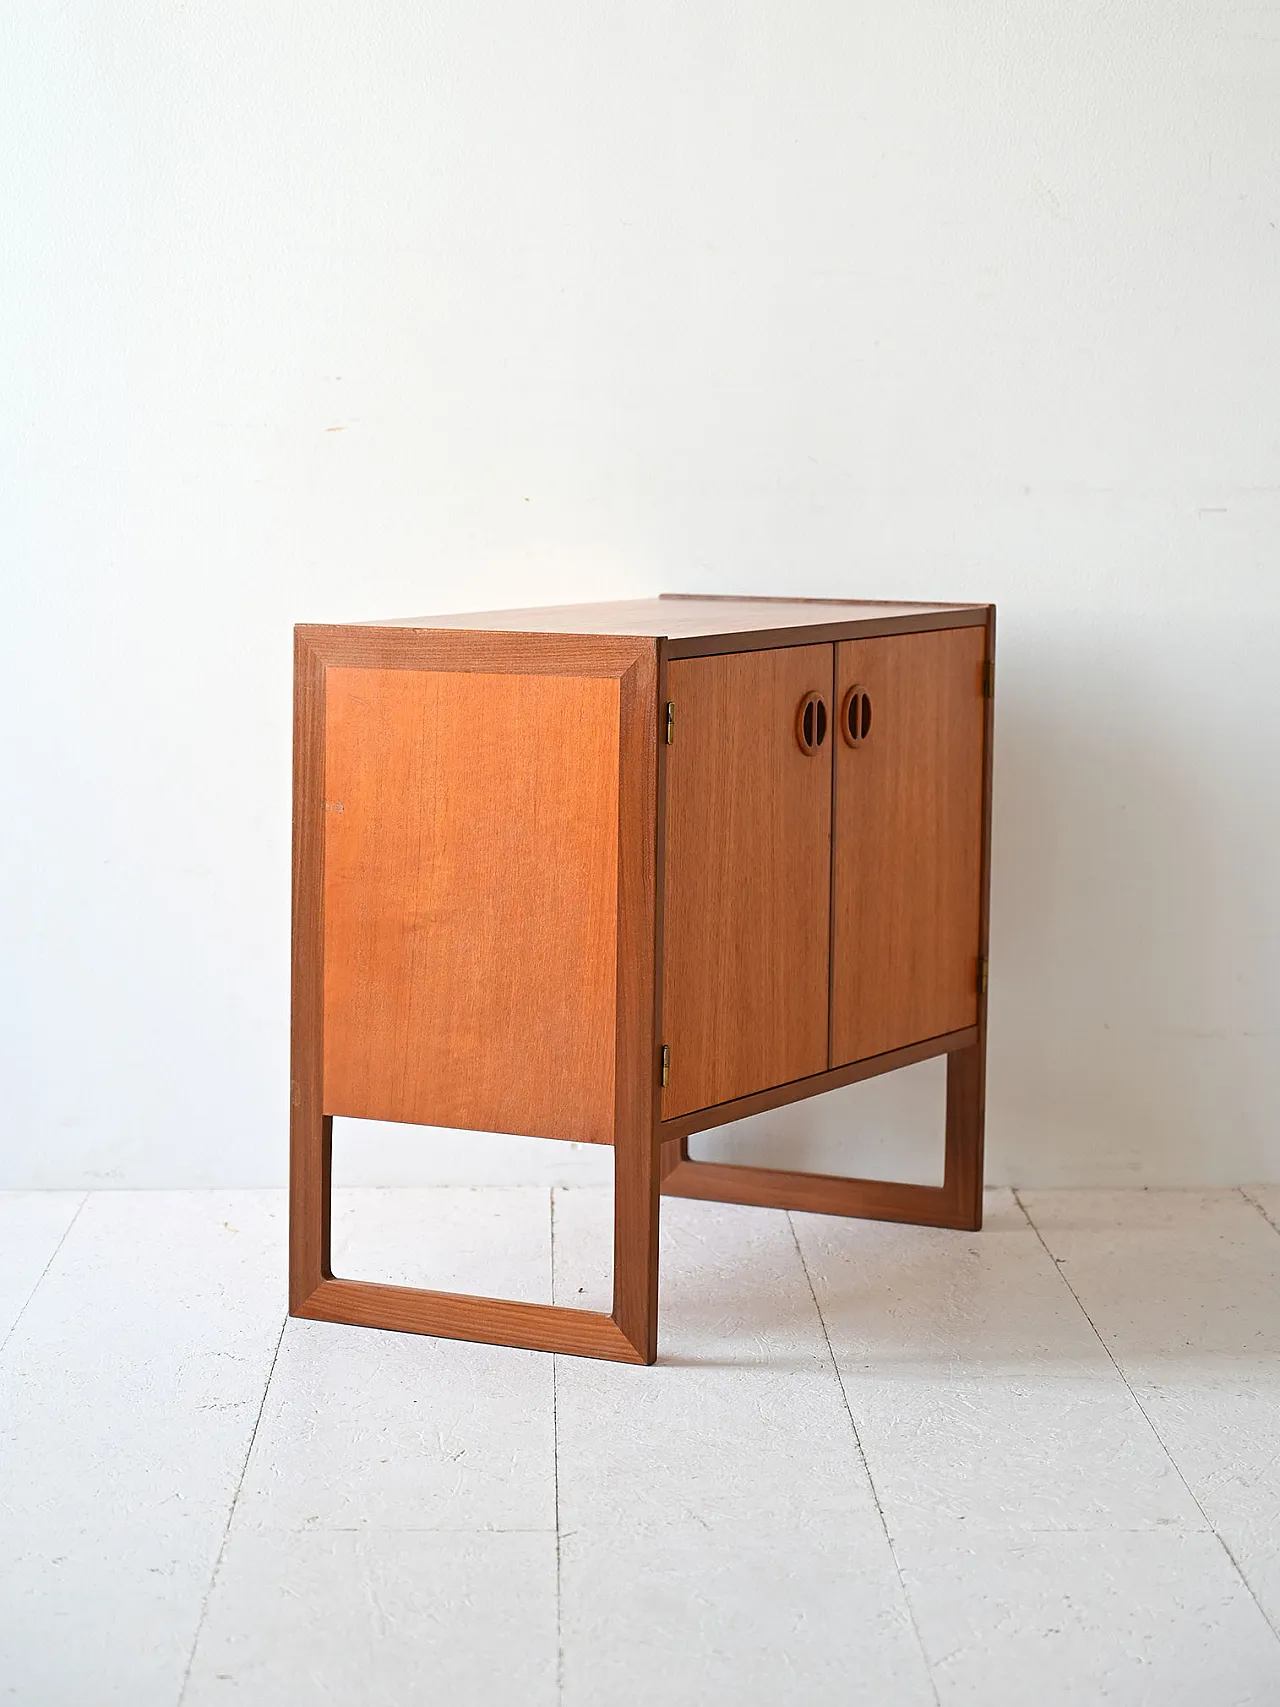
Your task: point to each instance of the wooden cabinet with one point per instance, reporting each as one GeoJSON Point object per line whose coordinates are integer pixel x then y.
{"type": "Point", "coordinates": [619, 873]}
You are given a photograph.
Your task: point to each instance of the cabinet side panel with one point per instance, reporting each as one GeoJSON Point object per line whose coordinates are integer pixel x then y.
{"type": "Point", "coordinates": [470, 900]}
{"type": "Point", "coordinates": [908, 847]}
{"type": "Point", "coordinates": [747, 877]}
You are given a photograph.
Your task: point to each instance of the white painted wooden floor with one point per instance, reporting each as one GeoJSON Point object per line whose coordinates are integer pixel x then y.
{"type": "Point", "coordinates": [875, 1464]}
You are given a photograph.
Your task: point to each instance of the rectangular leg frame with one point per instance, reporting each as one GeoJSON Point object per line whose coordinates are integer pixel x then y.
{"type": "Point", "coordinates": [629, 1335]}
{"type": "Point", "coordinates": [957, 1202]}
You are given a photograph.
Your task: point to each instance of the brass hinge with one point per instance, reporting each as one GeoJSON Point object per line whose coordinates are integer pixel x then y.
{"type": "Point", "coordinates": [671, 723]}
{"type": "Point", "coordinates": [989, 679]}
{"type": "Point", "coordinates": [666, 1063]}
{"type": "Point", "coordinates": [982, 975]}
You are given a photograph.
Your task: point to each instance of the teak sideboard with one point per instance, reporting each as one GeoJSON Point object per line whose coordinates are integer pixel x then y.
{"type": "Point", "coordinates": [618, 873]}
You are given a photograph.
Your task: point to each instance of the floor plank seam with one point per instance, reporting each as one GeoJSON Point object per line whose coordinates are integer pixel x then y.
{"type": "Point", "coordinates": [400, 1529]}
{"type": "Point", "coordinates": [1259, 1206]}
{"type": "Point", "coordinates": [862, 1458]}
{"type": "Point", "coordinates": [53, 1257]}
{"type": "Point", "coordinates": [231, 1512]}
{"type": "Point", "coordinates": [555, 1464]}
{"type": "Point", "coordinates": [1177, 1469]}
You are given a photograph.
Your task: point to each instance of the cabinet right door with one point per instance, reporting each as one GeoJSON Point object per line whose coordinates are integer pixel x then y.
{"type": "Point", "coordinates": [908, 839]}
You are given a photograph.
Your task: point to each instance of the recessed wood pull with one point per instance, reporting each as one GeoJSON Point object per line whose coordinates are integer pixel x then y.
{"type": "Point", "coordinates": [855, 716]}
{"type": "Point", "coordinates": [811, 723]}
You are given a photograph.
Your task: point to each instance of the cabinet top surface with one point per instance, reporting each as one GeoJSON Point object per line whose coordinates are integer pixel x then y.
{"type": "Point", "coordinates": [682, 616]}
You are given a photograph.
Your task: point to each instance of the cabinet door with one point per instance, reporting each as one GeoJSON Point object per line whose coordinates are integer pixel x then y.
{"type": "Point", "coordinates": [908, 839]}
{"type": "Point", "coordinates": [747, 876]}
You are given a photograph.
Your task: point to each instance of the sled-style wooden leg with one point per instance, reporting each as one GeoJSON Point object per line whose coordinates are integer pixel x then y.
{"type": "Point", "coordinates": [628, 1335]}
{"type": "Point", "coordinates": [957, 1202]}
{"type": "Point", "coordinates": [368, 704]}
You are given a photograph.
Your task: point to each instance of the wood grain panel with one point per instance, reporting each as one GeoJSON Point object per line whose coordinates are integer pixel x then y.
{"type": "Point", "coordinates": [470, 900]}
{"type": "Point", "coordinates": [747, 877]}
{"type": "Point", "coordinates": [908, 843]}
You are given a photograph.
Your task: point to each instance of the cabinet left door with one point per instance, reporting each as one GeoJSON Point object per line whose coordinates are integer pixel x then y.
{"type": "Point", "coordinates": [470, 900]}
{"type": "Point", "coordinates": [747, 874]}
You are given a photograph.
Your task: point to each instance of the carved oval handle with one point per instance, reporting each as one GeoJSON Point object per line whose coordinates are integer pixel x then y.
{"type": "Point", "coordinates": [855, 715]}
{"type": "Point", "coordinates": [811, 723]}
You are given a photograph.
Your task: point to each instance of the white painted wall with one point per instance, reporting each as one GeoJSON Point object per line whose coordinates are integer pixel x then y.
{"type": "Point", "coordinates": [355, 309]}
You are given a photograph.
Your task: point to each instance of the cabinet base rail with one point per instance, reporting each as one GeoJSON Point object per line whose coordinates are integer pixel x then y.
{"type": "Point", "coordinates": [820, 1194]}
{"type": "Point", "coordinates": [460, 1316]}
